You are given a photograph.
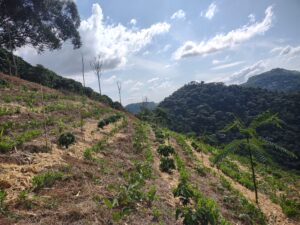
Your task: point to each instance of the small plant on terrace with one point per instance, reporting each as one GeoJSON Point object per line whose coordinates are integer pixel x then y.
{"type": "Point", "coordinates": [165, 150]}
{"type": "Point", "coordinates": [167, 165]}
{"type": "Point", "coordinates": [66, 139]}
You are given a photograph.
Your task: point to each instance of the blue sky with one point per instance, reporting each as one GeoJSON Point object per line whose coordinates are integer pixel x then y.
{"type": "Point", "coordinates": [154, 47]}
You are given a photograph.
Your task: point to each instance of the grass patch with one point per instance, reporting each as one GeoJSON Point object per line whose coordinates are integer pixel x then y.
{"type": "Point", "coordinates": [46, 179]}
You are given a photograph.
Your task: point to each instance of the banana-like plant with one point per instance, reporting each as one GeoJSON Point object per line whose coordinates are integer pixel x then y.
{"type": "Point", "coordinates": [252, 143]}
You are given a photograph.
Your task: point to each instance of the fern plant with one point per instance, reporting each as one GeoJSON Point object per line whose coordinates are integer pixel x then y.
{"type": "Point", "coordinates": [252, 143]}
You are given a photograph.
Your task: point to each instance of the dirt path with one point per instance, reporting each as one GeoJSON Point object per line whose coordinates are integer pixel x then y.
{"type": "Point", "coordinates": [272, 211]}
{"type": "Point", "coordinates": [18, 176]}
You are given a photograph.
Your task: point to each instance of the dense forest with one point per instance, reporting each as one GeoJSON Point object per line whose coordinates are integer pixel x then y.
{"type": "Point", "coordinates": [278, 79]}
{"type": "Point", "coordinates": [46, 77]}
{"type": "Point", "coordinates": [205, 109]}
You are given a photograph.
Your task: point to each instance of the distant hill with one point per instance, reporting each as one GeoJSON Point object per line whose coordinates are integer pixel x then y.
{"type": "Point", "coordinates": [276, 80]}
{"type": "Point", "coordinates": [135, 108]}
{"type": "Point", "coordinates": [205, 109]}
{"type": "Point", "coordinates": [41, 75]}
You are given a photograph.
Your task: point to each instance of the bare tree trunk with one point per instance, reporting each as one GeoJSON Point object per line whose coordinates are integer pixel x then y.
{"type": "Point", "coordinates": [82, 106]}
{"type": "Point", "coordinates": [96, 65]}
{"type": "Point", "coordinates": [11, 52]}
{"type": "Point", "coordinates": [98, 75]}
{"type": "Point", "coordinates": [253, 172]}
{"type": "Point", "coordinates": [119, 85]}
{"type": "Point", "coordinates": [44, 118]}
{"type": "Point", "coordinates": [82, 61]}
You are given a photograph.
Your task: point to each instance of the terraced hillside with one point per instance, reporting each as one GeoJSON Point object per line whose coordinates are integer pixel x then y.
{"type": "Point", "coordinates": [121, 170]}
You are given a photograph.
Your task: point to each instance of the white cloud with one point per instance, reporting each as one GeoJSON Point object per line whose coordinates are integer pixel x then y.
{"type": "Point", "coordinates": [242, 76]}
{"type": "Point", "coordinates": [164, 49]}
{"type": "Point", "coordinates": [128, 82]}
{"type": "Point", "coordinates": [288, 50]}
{"type": "Point", "coordinates": [228, 65]}
{"type": "Point", "coordinates": [179, 15]}
{"type": "Point", "coordinates": [223, 41]}
{"type": "Point", "coordinates": [211, 11]}
{"type": "Point", "coordinates": [220, 61]}
{"type": "Point", "coordinates": [110, 80]}
{"type": "Point", "coordinates": [133, 21]}
{"type": "Point", "coordinates": [146, 53]}
{"type": "Point", "coordinates": [251, 18]}
{"type": "Point", "coordinates": [152, 80]}
{"type": "Point", "coordinates": [114, 42]}
{"type": "Point", "coordinates": [136, 87]}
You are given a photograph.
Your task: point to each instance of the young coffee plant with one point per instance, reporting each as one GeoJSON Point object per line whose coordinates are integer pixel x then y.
{"type": "Point", "coordinates": [167, 165]}
{"type": "Point", "coordinates": [184, 191]}
{"type": "Point", "coordinates": [66, 139]}
{"type": "Point", "coordinates": [165, 150]}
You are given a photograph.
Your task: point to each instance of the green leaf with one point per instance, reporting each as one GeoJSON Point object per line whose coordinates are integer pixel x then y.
{"type": "Point", "coordinates": [108, 203]}
{"type": "Point", "coordinates": [257, 151]}
{"type": "Point", "coordinates": [236, 124]}
{"type": "Point", "coordinates": [265, 118]}
{"type": "Point", "coordinates": [280, 149]}
{"type": "Point", "coordinates": [229, 149]}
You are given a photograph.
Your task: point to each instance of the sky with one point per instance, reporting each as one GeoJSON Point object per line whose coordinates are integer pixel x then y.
{"type": "Point", "coordinates": [155, 47]}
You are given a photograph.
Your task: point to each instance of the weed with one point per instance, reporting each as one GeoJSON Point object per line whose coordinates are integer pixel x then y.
{"type": "Point", "coordinates": [46, 179]}
{"type": "Point", "coordinates": [3, 195]}
{"type": "Point", "coordinates": [24, 201]}
{"type": "Point", "coordinates": [290, 207]}
{"type": "Point", "coordinates": [87, 154]}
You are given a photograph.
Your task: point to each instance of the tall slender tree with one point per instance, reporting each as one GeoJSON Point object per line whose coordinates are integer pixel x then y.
{"type": "Point", "coordinates": [252, 143]}
{"type": "Point", "coordinates": [96, 65]}
{"type": "Point", "coordinates": [119, 86]}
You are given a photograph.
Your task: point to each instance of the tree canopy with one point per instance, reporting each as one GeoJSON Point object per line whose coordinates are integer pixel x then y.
{"type": "Point", "coordinates": [44, 24]}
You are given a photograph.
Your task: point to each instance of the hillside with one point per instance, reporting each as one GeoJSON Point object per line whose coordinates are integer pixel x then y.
{"type": "Point", "coordinates": [135, 108]}
{"type": "Point", "coordinates": [114, 174]}
{"type": "Point", "coordinates": [276, 80]}
{"type": "Point", "coordinates": [46, 77]}
{"type": "Point", "coordinates": [205, 109]}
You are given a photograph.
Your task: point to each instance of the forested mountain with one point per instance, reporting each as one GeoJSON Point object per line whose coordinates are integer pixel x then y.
{"type": "Point", "coordinates": [276, 80]}
{"type": "Point", "coordinates": [46, 77]}
{"type": "Point", "coordinates": [135, 108]}
{"type": "Point", "coordinates": [205, 109]}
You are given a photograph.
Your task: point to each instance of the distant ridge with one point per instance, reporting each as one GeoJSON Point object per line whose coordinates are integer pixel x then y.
{"type": "Point", "coordinates": [135, 108]}
{"type": "Point", "coordinates": [276, 80]}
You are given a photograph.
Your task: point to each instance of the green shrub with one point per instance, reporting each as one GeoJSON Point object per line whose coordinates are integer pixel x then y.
{"type": "Point", "coordinates": [46, 179]}
{"type": "Point", "coordinates": [166, 165]}
{"type": "Point", "coordinates": [6, 144]}
{"type": "Point", "coordinates": [204, 212]}
{"type": "Point", "coordinates": [165, 150]}
{"type": "Point", "coordinates": [66, 139]}
{"type": "Point", "coordinates": [184, 192]}
{"type": "Point", "coordinates": [111, 119]}
{"type": "Point", "coordinates": [102, 124]}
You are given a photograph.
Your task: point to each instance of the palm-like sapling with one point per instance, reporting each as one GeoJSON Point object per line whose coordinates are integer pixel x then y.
{"type": "Point", "coordinates": [252, 143]}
